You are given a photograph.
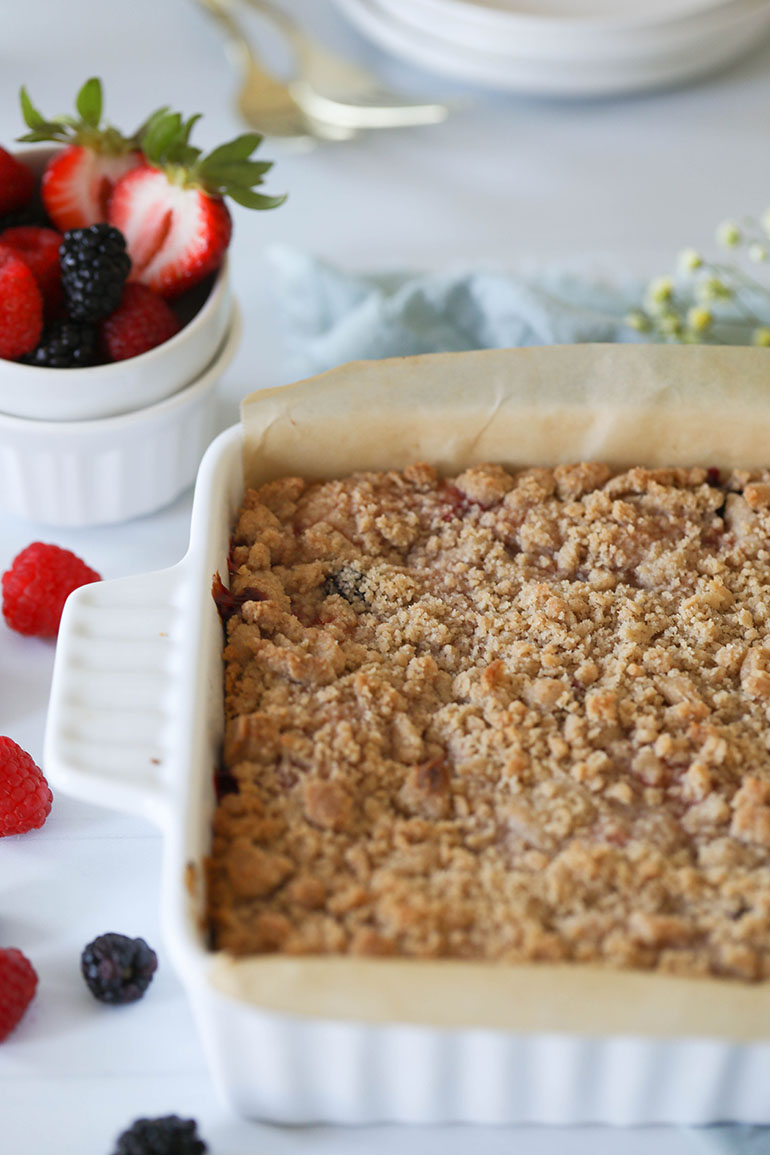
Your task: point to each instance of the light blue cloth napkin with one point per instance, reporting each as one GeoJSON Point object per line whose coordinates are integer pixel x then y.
{"type": "Point", "coordinates": [738, 1140]}
{"type": "Point", "coordinates": [331, 316]}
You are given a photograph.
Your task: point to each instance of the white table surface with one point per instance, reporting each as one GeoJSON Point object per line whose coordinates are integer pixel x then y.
{"type": "Point", "coordinates": [634, 179]}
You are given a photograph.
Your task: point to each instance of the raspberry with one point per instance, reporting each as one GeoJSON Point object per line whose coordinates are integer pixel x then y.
{"type": "Point", "coordinates": [21, 307]}
{"type": "Point", "coordinates": [168, 1135]}
{"type": "Point", "coordinates": [141, 321]}
{"type": "Point", "coordinates": [65, 345]}
{"type": "Point", "coordinates": [39, 249]}
{"type": "Point", "coordinates": [35, 588]}
{"type": "Point", "coordinates": [94, 266]}
{"type": "Point", "coordinates": [25, 800]}
{"type": "Point", "coordinates": [17, 183]}
{"type": "Point", "coordinates": [18, 983]}
{"type": "Point", "coordinates": [118, 969]}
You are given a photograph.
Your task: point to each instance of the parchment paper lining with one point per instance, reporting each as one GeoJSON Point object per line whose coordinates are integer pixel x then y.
{"type": "Point", "coordinates": [626, 405]}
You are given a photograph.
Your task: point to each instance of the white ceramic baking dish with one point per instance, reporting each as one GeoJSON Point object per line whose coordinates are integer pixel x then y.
{"type": "Point", "coordinates": [135, 722]}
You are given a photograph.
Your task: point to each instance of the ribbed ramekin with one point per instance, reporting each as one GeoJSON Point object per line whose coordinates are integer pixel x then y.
{"type": "Point", "coordinates": [82, 473]}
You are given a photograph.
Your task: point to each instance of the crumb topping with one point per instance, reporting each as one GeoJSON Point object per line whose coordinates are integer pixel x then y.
{"type": "Point", "coordinates": [510, 716]}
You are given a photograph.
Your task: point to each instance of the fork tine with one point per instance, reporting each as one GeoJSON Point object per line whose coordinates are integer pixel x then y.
{"type": "Point", "coordinates": [360, 116]}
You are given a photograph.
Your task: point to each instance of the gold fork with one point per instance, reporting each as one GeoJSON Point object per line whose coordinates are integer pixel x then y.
{"type": "Point", "coordinates": [338, 91]}
{"type": "Point", "coordinates": [264, 102]}
{"type": "Point", "coordinates": [330, 99]}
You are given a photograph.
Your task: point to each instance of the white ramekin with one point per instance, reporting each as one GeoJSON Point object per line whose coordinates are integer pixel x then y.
{"type": "Point", "coordinates": [136, 722]}
{"type": "Point", "coordinates": [83, 473]}
{"type": "Point", "coordinates": [123, 386]}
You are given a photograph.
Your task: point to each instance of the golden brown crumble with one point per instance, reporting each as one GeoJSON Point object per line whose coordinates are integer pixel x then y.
{"type": "Point", "coordinates": [511, 715]}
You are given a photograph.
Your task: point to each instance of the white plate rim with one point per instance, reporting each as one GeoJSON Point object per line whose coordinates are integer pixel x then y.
{"type": "Point", "coordinates": [528, 76]}
{"type": "Point", "coordinates": [497, 20]}
{"type": "Point", "coordinates": [552, 39]}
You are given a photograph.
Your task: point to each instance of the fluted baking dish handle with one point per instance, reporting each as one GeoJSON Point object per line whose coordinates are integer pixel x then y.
{"type": "Point", "coordinates": [114, 694]}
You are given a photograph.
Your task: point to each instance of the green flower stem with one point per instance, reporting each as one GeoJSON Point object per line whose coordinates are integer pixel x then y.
{"type": "Point", "coordinates": [740, 280]}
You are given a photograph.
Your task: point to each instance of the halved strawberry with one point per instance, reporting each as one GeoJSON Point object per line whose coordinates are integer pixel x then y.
{"type": "Point", "coordinates": [171, 209]}
{"type": "Point", "coordinates": [78, 180]}
{"type": "Point", "coordinates": [174, 236]}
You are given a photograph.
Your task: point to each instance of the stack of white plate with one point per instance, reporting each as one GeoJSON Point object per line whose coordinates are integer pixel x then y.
{"type": "Point", "coordinates": [564, 47]}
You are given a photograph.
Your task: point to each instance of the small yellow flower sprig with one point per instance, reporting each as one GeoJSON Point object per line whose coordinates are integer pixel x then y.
{"type": "Point", "coordinates": [712, 301]}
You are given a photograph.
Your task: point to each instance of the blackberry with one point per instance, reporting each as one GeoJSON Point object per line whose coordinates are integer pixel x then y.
{"type": "Point", "coordinates": [94, 267]}
{"type": "Point", "coordinates": [66, 345]}
{"type": "Point", "coordinates": [118, 969]}
{"type": "Point", "coordinates": [168, 1135]}
{"type": "Point", "coordinates": [348, 583]}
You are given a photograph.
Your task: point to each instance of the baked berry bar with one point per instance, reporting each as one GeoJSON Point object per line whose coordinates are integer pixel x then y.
{"type": "Point", "coordinates": [511, 715]}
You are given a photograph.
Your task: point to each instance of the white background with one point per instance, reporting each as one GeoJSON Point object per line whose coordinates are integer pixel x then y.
{"type": "Point", "coordinates": [506, 178]}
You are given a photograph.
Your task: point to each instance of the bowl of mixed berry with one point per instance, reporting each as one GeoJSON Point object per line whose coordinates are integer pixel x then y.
{"type": "Point", "coordinates": [116, 314]}
{"type": "Point", "coordinates": [114, 286]}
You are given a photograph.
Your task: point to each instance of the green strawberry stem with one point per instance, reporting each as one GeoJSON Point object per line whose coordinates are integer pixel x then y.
{"type": "Point", "coordinates": [84, 129]}
{"type": "Point", "coordinates": [164, 139]}
{"type": "Point", "coordinates": [227, 171]}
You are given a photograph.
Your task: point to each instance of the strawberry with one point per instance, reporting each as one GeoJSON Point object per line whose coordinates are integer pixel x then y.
{"type": "Point", "coordinates": [39, 249]}
{"type": "Point", "coordinates": [77, 184]}
{"type": "Point", "coordinates": [142, 320]}
{"type": "Point", "coordinates": [21, 307]}
{"type": "Point", "coordinates": [171, 209]}
{"type": "Point", "coordinates": [17, 183]}
{"type": "Point", "coordinates": [79, 179]}
{"type": "Point", "coordinates": [175, 236]}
